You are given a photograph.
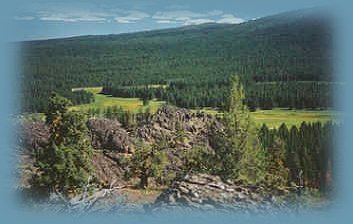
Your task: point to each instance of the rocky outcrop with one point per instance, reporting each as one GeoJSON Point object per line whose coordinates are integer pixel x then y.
{"type": "Point", "coordinates": [105, 134]}
{"type": "Point", "coordinates": [108, 134]}
{"type": "Point", "coordinates": [207, 192]}
{"type": "Point", "coordinates": [108, 170]}
{"type": "Point", "coordinates": [33, 135]}
{"type": "Point", "coordinates": [181, 128]}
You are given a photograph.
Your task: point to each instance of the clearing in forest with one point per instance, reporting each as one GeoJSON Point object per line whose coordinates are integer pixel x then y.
{"type": "Point", "coordinates": [272, 118]}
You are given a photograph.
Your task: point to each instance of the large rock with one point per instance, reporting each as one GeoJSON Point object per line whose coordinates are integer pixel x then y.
{"type": "Point", "coordinates": [33, 135]}
{"type": "Point", "coordinates": [105, 134]}
{"type": "Point", "coordinates": [182, 128]}
{"type": "Point", "coordinates": [108, 134]}
{"type": "Point", "coordinates": [207, 192]}
{"type": "Point", "coordinates": [107, 167]}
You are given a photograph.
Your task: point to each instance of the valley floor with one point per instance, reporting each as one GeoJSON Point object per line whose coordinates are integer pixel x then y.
{"type": "Point", "coordinates": [272, 118]}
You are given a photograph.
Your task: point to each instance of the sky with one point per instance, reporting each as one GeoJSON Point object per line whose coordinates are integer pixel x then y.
{"type": "Point", "coordinates": [39, 19]}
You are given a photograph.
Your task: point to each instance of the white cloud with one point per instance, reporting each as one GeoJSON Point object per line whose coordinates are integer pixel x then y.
{"type": "Point", "coordinates": [182, 19]}
{"type": "Point", "coordinates": [187, 17]}
{"type": "Point", "coordinates": [198, 21]}
{"type": "Point", "coordinates": [118, 15]}
{"type": "Point", "coordinates": [165, 21]}
{"type": "Point", "coordinates": [131, 17]}
{"type": "Point", "coordinates": [123, 20]}
{"type": "Point", "coordinates": [176, 16]}
{"type": "Point", "coordinates": [229, 18]}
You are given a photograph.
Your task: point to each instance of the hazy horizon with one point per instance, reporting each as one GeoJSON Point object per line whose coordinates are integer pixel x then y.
{"type": "Point", "coordinates": [40, 20]}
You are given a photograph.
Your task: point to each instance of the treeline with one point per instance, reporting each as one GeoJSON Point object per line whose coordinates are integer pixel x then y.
{"type": "Point", "coordinates": [34, 98]}
{"type": "Point", "coordinates": [298, 95]}
{"type": "Point", "coordinates": [308, 151]}
{"type": "Point", "coordinates": [81, 97]}
{"type": "Point", "coordinates": [282, 48]}
{"type": "Point", "coordinates": [213, 93]}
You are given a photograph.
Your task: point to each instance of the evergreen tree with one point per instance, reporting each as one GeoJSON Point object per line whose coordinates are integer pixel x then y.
{"type": "Point", "coordinates": [145, 101]}
{"type": "Point", "coordinates": [57, 107]}
{"type": "Point", "coordinates": [238, 153]}
{"type": "Point", "coordinates": [277, 172]}
{"type": "Point", "coordinates": [65, 164]}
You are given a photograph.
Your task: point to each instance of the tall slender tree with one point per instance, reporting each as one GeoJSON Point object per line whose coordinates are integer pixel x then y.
{"type": "Point", "coordinates": [238, 152]}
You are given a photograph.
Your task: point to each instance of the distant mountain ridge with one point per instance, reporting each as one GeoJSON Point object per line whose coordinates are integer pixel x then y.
{"type": "Point", "coordinates": [277, 19]}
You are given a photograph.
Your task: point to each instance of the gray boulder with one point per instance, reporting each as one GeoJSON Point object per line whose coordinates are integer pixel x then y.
{"type": "Point", "coordinates": [108, 134]}
{"type": "Point", "coordinates": [207, 192]}
{"type": "Point", "coordinates": [33, 135]}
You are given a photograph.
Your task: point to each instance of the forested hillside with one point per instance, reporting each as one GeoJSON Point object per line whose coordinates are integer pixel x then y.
{"type": "Point", "coordinates": [195, 62]}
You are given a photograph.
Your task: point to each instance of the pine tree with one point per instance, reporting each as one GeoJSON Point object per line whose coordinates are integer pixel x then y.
{"type": "Point", "coordinates": [57, 107]}
{"type": "Point", "coordinates": [277, 172]}
{"type": "Point", "coordinates": [238, 152]}
{"type": "Point", "coordinates": [65, 164]}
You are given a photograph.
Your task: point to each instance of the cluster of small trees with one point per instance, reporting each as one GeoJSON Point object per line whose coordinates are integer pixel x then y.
{"type": "Point", "coordinates": [80, 97]}
{"type": "Point", "coordinates": [35, 94]}
{"type": "Point", "coordinates": [127, 119]}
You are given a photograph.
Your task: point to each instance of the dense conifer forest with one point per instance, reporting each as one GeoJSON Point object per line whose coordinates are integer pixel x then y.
{"type": "Point", "coordinates": [283, 61]}
{"type": "Point", "coordinates": [307, 149]}
{"type": "Point", "coordinates": [262, 95]}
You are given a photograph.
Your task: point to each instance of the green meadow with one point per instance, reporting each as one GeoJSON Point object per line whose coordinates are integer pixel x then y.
{"type": "Point", "coordinates": [275, 117]}
{"type": "Point", "coordinates": [272, 118]}
{"type": "Point", "coordinates": [105, 101]}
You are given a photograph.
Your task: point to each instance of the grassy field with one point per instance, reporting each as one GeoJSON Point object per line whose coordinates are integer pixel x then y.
{"type": "Point", "coordinates": [272, 118]}
{"type": "Point", "coordinates": [104, 101]}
